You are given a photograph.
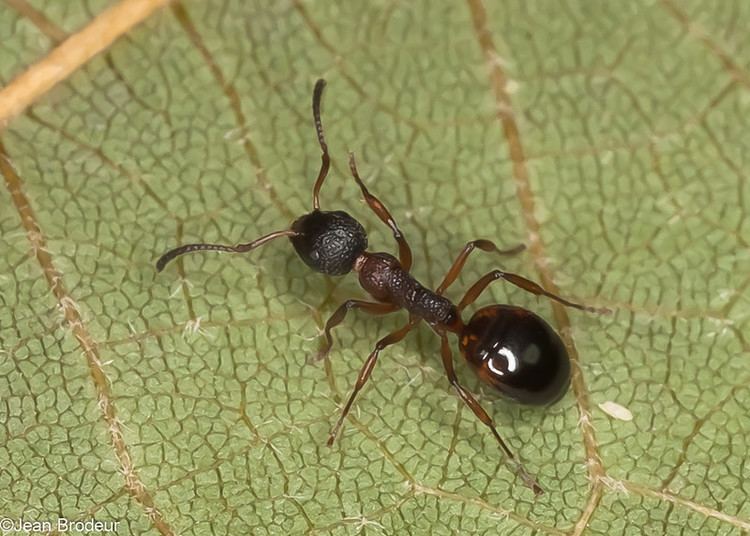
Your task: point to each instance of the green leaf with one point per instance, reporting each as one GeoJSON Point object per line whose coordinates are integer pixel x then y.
{"type": "Point", "coordinates": [610, 137]}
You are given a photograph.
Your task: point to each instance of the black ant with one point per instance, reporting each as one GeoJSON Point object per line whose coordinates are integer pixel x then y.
{"type": "Point", "coordinates": [510, 348]}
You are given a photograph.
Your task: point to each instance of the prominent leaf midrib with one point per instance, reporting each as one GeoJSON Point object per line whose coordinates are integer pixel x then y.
{"type": "Point", "coordinates": [76, 51]}
{"type": "Point", "coordinates": [505, 115]}
{"type": "Point", "coordinates": [70, 310]}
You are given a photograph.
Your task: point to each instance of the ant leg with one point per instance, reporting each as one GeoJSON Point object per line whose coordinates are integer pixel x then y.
{"type": "Point", "coordinates": [521, 282]}
{"type": "Point", "coordinates": [325, 159]}
{"type": "Point", "coordinates": [458, 264]}
{"type": "Point", "coordinates": [404, 252]}
{"type": "Point", "coordinates": [373, 308]}
{"type": "Point", "coordinates": [470, 401]}
{"type": "Point", "coordinates": [364, 373]}
{"type": "Point", "coordinates": [239, 248]}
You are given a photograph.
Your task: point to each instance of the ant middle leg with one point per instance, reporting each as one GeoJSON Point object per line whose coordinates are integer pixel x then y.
{"type": "Point", "coordinates": [373, 308]}
{"type": "Point", "coordinates": [481, 414]}
{"type": "Point", "coordinates": [458, 264]}
{"type": "Point", "coordinates": [325, 163]}
{"type": "Point", "coordinates": [521, 282]}
{"type": "Point", "coordinates": [364, 373]}
{"type": "Point", "coordinates": [404, 251]}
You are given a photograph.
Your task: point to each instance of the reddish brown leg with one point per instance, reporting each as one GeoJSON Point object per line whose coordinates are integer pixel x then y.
{"type": "Point", "coordinates": [364, 373]}
{"type": "Point", "coordinates": [239, 248]}
{"type": "Point", "coordinates": [458, 264]}
{"type": "Point", "coordinates": [404, 252]}
{"type": "Point", "coordinates": [479, 411]}
{"type": "Point", "coordinates": [523, 283]}
{"type": "Point", "coordinates": [373, 308]}
{"type": "Point", "coordinates": [325, 159]}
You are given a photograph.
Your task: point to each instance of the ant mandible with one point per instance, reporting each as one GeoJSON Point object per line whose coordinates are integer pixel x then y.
{"type": "Point", "coordinates": [510, 348]}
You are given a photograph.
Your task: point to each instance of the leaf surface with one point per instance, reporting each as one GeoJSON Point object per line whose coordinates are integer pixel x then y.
{"type": "Point", "coordinates": [608, 137]}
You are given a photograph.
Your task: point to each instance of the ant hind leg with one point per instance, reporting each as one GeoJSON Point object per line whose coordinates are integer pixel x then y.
{"type": "Point", "coordinates": [482, 415]}
{"type": "Point", "coordinates": [526, 284]}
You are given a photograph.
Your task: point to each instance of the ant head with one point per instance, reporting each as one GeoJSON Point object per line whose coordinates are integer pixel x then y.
{"type": "Point", "coordinates": [329, 242]}
{"type": "Point", "coordinates": [518, 353]}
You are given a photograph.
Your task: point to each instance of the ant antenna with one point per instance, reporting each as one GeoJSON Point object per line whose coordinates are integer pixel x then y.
{"type": "Point", "coordinates": [324, 158]}
{"type": "Point", "coordinates": [239, 248]}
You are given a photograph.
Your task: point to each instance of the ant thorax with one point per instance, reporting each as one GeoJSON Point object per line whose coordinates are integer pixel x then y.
{"type": "Point", "coordinates": [383, 277]}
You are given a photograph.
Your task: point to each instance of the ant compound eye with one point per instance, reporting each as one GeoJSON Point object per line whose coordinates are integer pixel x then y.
{"type": "Point", "coordinates": [518, 353]}
{"type": "Point", "coordinates": [329, 242]}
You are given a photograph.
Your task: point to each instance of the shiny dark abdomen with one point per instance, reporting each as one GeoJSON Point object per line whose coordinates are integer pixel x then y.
{"type": "Point", "coordinates": [518, 353]}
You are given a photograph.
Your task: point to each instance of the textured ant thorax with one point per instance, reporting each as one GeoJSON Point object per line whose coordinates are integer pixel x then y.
{"type": "Point", "coordinates": [383, 277]}
{"type": "Point", "coordinates": [329, 242]}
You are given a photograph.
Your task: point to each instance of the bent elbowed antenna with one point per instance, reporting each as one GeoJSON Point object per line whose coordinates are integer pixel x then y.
{"type": "Point", "coordinates": [325, 160]}
{"type": "Point", "coordinates": [243, 248]}
{"type": "Point", "coordinates": [239, 248]}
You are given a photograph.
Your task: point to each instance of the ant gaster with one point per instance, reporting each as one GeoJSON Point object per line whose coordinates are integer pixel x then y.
{"type": "Point", "coordinates": [510, 348]}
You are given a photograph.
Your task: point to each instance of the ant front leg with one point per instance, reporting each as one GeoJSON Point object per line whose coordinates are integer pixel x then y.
{"type": "Point", "coordinates": [481, 414]}
{"type": "Point", "coordinates": [373, 308]}
{"type": "Point", "coordinates": [458, 264]}
{"type": "Point", "coordinates": [364, 373]}
{"type": "Point", "coordinates": [521, 282]}
{"type": "Point", "coordinates": [404, 251]}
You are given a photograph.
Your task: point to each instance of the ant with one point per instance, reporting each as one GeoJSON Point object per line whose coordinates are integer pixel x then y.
{"type": "Point", "coordinates": [510, 348]}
